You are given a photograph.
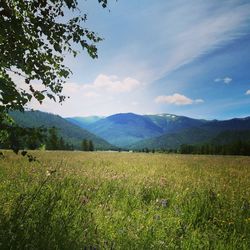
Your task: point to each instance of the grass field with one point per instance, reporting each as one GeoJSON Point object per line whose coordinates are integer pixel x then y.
{"type": "Point", "coordinates": [76, 200]}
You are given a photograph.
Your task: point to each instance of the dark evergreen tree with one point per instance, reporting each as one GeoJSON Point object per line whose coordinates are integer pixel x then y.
{"type": "Point", "coordinates": [52, 141]}
{"type": "Point", "coordinates": [91, 146]}
{"type": "Point", "coordinates": [237, 147]}
{"type": "Point", "coordinates": [33, 142]}
{"type": "Point", "coordinates": [67, 146]}
{"type": "Point", "coordinates": [85, 145]}
{"type": "Point", "coordinates": [61, 145]}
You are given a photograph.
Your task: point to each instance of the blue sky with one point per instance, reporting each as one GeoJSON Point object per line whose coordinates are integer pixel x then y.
{"type": "Point", "coordinates": [184, 57]}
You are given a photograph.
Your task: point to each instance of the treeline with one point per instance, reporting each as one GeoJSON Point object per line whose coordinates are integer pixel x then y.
{"type": "Point", "coordinates": [54, 142]}
{"type": "Point", "coordinates": [87, 145]}
{"type": "Point", "coordinates": [38, 138]}
{"type": "Point", "coordinates": [152, 150]}
{"type": "Point", "coordinates": [238, 147]}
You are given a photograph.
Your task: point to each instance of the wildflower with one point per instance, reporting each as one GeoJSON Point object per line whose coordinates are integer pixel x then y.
{"type": "Point", "coordinates": [50, 172]}
{"type": "Point", "coordinates": [177, 211]}
{"type": "Point", "coordinates": [245, 206]}
{"type": "Point", "coordinates": [212, 195]}
{"type": "Point", "coordinates": [84, 200]}
{"type": "Point", "coordinates": [157, 217]}
{"type": "Point", "coordinates": [164, 203]}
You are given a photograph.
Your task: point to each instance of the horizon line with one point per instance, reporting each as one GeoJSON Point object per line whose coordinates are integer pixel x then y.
{"type": "Point", "coordinates": [140, 114]}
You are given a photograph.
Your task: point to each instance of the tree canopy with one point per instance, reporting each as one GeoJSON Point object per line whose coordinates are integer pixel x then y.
{"type": "Point", "coordinates": [34, 38]}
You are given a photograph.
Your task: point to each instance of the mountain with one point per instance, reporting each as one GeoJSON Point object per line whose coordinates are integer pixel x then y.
{"type": "Point", "coordinates": [124, 129]}
{"type": "Point", "coordinates": [72, 133]}
{"type": "Point", "coordinates": [84, 122]}
{"type": "Point", "coordinates": [127, 128]}
{"type": "Point", "coordinates": [170, 123]}
{"type": "Point", "coordinates": [213, 131]}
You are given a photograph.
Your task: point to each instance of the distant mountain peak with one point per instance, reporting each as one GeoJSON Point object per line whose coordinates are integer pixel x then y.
{"type": "Point", "coordinates": [167, 115]}
{"type": "Point", "coordinates": [124, 114]}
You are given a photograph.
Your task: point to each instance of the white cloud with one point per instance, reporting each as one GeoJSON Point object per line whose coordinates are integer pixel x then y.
{"type": "Point", "coordinates": [112, 84]}
{"type": "Point", "coordinates": [100, 97]}
{"type": "Point", "coordinates": [176, 99]}
{"type": "Point", "coordinates": [225, 80]}
{"type": "Point", "coordinates": [104, 96]}
{"type": "Point", "coordinates": [102, 85]}
{"type": "Point", "coordinates": [248, 92]}
{"type": "Point", "coordinates": [73, 89]}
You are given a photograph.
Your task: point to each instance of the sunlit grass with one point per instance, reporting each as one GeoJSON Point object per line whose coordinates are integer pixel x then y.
{"type": "Point", "coordinates": [124, 201]}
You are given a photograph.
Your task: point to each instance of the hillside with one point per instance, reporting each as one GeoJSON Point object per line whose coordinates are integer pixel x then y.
{"type": "Point", "coordinates": [231, 136]}
{"type": "Point", "coordinates": [174, 140]}
{"type": "Point", "coordinates": [214, 131]}
{"type": "Point", "coordinates": [72, 133]}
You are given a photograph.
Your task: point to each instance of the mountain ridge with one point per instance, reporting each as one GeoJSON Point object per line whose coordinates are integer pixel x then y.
{"type": "Point", "coordinates": [124, 129]}
{"type": "Point", "coordinates": [70, 132]}
{"type": "Point", "coordinates": [133, 131]}
{"type": "Point", "coordinates": [129, 130]}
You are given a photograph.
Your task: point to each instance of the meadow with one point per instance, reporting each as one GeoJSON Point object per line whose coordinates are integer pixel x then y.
{"type": "Point", "coordinates": [104, 200]}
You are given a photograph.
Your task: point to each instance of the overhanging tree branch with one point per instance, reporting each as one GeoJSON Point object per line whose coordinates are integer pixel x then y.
{"type": "Point", "coordinates": [35, 36]}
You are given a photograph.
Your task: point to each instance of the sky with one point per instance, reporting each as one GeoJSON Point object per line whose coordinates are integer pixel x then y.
{"type": "Point", "coordinates": [181, 57]}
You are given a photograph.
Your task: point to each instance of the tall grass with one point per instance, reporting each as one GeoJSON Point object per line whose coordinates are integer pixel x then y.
{"type": "Point", "coordinates": [75, 200]}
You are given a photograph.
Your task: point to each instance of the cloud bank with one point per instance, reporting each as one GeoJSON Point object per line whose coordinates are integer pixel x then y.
{"type": "Point", "coordinates": [176, 99]}
{"type": "Point", "coordinates": [112, 84]}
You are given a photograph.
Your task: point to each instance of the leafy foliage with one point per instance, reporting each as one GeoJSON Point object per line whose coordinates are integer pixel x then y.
{"type": "Point", "coordinates": [15, 137]}
{"type": "Point", "coordinates": [35, 36]}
